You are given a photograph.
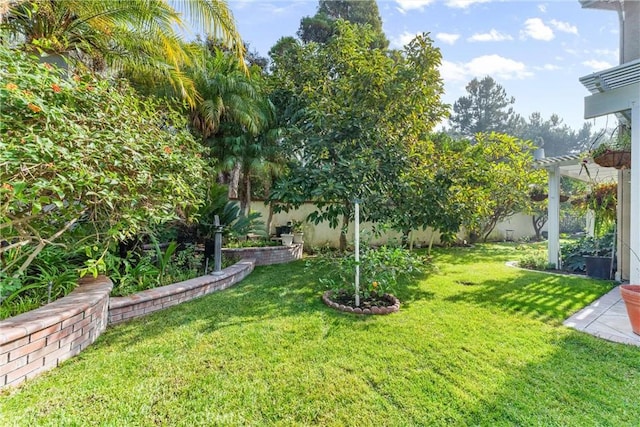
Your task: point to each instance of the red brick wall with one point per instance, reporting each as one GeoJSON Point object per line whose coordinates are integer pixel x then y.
{"type": "Point", "coordinates": [267, 255]}
{"type": "Point", "coordinates": [39, 340]}
{"type": "Point", "coordinates": [145, 302]}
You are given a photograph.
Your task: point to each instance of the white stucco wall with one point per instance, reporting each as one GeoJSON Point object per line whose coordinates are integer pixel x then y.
{"type": "Point", "coordinates": [322, 234]}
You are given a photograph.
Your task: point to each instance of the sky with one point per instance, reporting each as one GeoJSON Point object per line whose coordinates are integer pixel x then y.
{"type": "Point", "coordinates": [536, 50]}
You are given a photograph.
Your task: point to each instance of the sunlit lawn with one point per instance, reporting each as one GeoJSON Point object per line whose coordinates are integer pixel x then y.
{"type": "Point", "coordinates": [475, 343]}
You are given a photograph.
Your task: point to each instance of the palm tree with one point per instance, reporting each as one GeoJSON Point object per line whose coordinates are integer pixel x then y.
{"type": "Point", "coordinates": [233, 118]}
{"type": "Point", "coordinates": [227, 95]}
{"type": "Point", "coordinates": [138, 37]}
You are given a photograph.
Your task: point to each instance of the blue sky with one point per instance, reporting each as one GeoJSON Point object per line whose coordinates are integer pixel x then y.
{"type": "Point", "coordinates": [536, 50]}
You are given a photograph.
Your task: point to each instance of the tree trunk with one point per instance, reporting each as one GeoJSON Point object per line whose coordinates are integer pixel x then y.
{"type": "Point", "coordinates": [343, 232]}
{"type": "Point", "coordinates": [270, 216]}
{"type": "Point", "coordinates": [433, 237]}
{"type": "Point", "coordinates": [488, 229]}
{"type": "Point", "coordinates": [234, 182]}
{"type": "Point", "coordinates": [538, 223]}
{"type": "Point", "coordinates": [245, 200]}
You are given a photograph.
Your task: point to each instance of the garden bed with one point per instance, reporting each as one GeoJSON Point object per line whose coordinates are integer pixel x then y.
{"type": "Point", "coordinates": [150, 300]}
{"type": "Point", "coordinates": [266, 255]}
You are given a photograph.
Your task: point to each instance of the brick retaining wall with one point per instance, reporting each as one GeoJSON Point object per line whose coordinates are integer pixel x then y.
{"type": "Point", "coordinates": [39, 340]}
{"type": "Point", "coordinates": [267, 255]}
{"type": "Point", "coordinates": [145, 302]}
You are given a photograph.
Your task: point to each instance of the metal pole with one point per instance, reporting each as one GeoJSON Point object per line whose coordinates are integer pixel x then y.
{"type": "Point", "coordinates": [357, 249]}
{"type": "Point", "coordinates": [217, 245]}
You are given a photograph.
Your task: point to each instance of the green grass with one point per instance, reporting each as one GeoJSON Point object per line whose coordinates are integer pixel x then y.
{"type": "Point", "coordinates": [475, 343]}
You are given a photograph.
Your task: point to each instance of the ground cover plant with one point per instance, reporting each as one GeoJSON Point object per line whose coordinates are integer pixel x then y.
{"type": "Point", "coordinates": [475, 343]}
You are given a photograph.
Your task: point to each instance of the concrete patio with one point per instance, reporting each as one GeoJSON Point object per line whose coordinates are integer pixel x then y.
{"type": "Point", "coordinates": [605, 318]}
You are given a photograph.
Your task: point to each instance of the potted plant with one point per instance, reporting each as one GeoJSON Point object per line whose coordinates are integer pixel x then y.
{"type": "Point", "coordinates": [296, 229]}
{"type": "Point", "coordinates": [602, 200]}
{"type": "Point", "coordinates": [537, 193]}
{"type": "Point", "coordinates": [616, 153]}
{"type": "Point", "coordinates": [631, 297]}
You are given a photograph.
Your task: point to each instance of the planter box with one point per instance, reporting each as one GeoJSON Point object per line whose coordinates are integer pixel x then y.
{"type": "Point", "coordinates": [598, 267]}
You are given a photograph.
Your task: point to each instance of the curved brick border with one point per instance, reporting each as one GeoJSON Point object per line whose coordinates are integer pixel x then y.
{"type": "Point", "coordinates": [267, 255]}
{"type": "Point", "coordinates": [326, 298]}
{"type": "Point", "coordinates": [145, 302]}
{"type": "Point", "coordinates": [39, 340]}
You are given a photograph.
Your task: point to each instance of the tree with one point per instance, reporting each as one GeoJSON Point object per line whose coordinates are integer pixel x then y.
{"type": "Point", "coordinates": [320, 27]}
{"type": "Point", "coordinates": [554, 136]}
{"type": "Point", "coordinates": [497, 177]}
{"type": "Point", "coordinates": [484, 109]}
{"type": "Point", "coordinates": [355, 115]}
{"type": "Point", "coordinates": [235, 118]}
{"type": "Point", "coordinates": [87, 162]}
{"type": "Point", "coordinates": [139, 38]}
{"type": "Point", "coordinates": [431, 192]}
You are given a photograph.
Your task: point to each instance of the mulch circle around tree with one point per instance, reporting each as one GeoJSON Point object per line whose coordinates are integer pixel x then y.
{"type": "Point", "coordinates": [344, 301]}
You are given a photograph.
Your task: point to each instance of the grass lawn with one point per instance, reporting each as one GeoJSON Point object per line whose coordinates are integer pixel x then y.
{"type": "Point", "coordinates": [475, 343]}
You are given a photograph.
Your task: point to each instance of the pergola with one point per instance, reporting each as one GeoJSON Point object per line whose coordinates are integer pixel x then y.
{"type": "Point", "coordinates": [617, 91]}
{"type": "Point", "coordinates": [614, 91]}
{"type": "Point", "coordinates": [576, 167]}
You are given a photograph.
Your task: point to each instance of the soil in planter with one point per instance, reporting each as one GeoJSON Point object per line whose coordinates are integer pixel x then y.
{"type": "Point", "coordinates": [348, 298]}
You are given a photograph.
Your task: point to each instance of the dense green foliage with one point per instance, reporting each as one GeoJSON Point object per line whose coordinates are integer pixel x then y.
{"type": "Point", "coordinates": [86, 162]}
{"type": "Point", "coordinates": [557, 138]}
{"type": "Point", "coordinates": [322, 26]}
{"type": "Point", "coordinates": [138, 37]}
{"type": "Point", "coordinates": [381, 269]}
{"type": "Point", "coordinates": [486, 108]}
{"type": "Point", "coordinates": [502, 172]}
{"type": "Point", "coordinates": [475, 343]}
{"type": "Point", "coordinates": [236, 119]}
{"type": "Point", "coordinates": [356, 116]}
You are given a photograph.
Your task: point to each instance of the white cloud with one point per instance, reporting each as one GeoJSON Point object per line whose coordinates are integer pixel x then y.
{"type": "Point", "coordinates": [613, 53]}
{"type": "Point", "coordinates": [448, 38]}
{"type": "Point", "coordinates": [451, 71]}
{"type": "Point", "coordinates": [405, 5]}
{"type": "Point", "coordinates": [536, 29]}
{"type": "Point", "coordinates": [572, 52]}
{"type": "Point", "coordinates": [491, 36]}
{"type": "Point", "coordinates": [403, 39]}
{"type": "Point", "coordinates": [565, 27]}
{"type": "Point", "coordinates": [463, 4]}
{"type": "Point", "coordinates": [542, 8]}
{"type": "Point", "coordinates": [549, 67]}
{"type": "Point", "coordinates": [596, 65]}
{"type": "Point", "coordinates": [493, 65]}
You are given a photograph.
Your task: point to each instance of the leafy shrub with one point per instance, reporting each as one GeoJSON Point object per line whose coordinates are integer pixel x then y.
{"type": "Point", "coordinates": [52, 275]}
{"type": "Point", "coordinates": [247, 243]}
{"type": "Point", "coordinates": [153, 269]}
{"type": "Point", "coordinates": [380, 269]}
{"type": "Point", "coordinates": [236, 225]}
{"type": "Point", "coordinates": [87, 161]}
{"type": "Point", "coordinates": [535, 261]}
{"type": "Point", "coordinates": [573, 253]}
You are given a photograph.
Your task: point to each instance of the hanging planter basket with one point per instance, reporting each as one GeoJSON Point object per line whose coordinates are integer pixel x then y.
{"type": "Point", "coordinates": [614, 159]}
{"type": "Point", "coordinates": [564, 199]}
{"type": "Point", "coordinates": [538, 197]}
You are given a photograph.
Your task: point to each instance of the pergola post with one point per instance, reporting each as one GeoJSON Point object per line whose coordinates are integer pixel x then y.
{"type": "Point", "coordinates": [634, 224]}
{"type": "Point", "coordinates": [554, 217]}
